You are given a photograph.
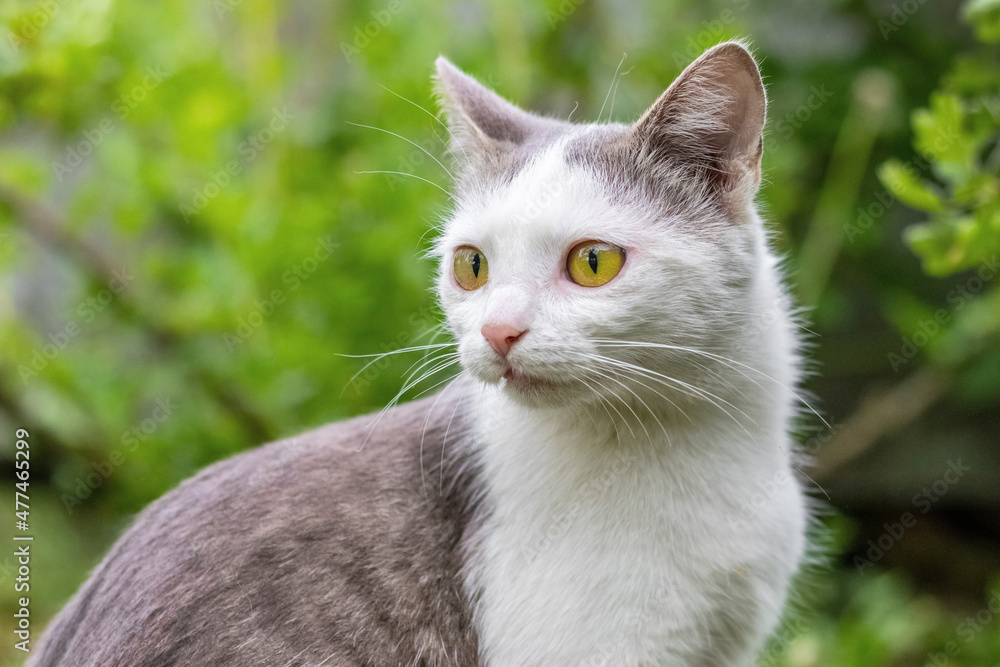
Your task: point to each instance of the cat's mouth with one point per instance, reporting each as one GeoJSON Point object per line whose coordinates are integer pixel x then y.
{"type": "Point", "coordinates": [517, 380]}
{"type": "Point", "coordinates": [511, 375]}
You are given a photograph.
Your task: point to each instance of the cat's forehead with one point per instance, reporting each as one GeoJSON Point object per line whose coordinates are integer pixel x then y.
{"type": "Point", "coordinates": [552, 197]}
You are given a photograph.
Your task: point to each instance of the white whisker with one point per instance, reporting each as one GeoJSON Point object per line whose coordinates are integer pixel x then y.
{"type": "Point", "coordinates": [612, 406]}
{"type": "Point", "coordinates": [725, 360]}
{"type": "Point", "coordinates": [638, 419]}
{"type": "Point", "coordinates": [412, 143]}
{"type": "Point", "coordinates": [652, 413]}
{"type": "Point", "coordinates": [434, 117]}
{"type": "Point", "coordinates": [423, 435]}
{"type": "Point", "coordinates": [444, 441]}
{"type": "Point", "coordinates": [451, 360]}
{"type": "Point", "coordinates": [602, 401]}
{"type": "Point", "coordinates": [377, 357]}
{"type": "Point", "coordinates": [403, 173]}
{"type": "Point", "coordinates": [610, 88]}
{"type": "Point", "coordinates": [698, 391]}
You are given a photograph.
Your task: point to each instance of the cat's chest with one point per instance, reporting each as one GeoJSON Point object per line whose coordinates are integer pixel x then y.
{"type": "Point", "coordinates": [574, 586]}
{"type": "Point", "coordinates": [587, 562]}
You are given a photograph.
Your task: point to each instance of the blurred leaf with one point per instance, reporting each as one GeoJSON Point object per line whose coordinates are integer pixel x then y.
{"type": "Point", "coordinates": [908, 188]}
{"type": "Point", "coordinates": [985, 17]}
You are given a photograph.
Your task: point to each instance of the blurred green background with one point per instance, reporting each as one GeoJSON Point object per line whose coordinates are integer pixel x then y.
{"type": "Point", "coordinates": [187, 245]}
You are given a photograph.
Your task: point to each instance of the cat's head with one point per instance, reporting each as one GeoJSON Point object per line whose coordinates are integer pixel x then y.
{"type": "Point", "coordinates": [578, 257]}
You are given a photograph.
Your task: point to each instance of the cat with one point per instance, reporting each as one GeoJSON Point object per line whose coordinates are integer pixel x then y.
{"type": "Point", "coordinates": [579, 493]}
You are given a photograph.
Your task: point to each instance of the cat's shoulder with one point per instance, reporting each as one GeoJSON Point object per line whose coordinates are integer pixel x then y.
{"type": "Point", "coordinates": [334, 465]}
{"type": "Point", "coordinates": [278, 529]}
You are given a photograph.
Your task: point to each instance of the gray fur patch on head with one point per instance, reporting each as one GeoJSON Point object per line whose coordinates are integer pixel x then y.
{"type": "Point", "coordinates": [697, 149]}
{"type": "Point", "coordinates": [695, 152]}
{"type": "Point", "coordinates": [614, 155]}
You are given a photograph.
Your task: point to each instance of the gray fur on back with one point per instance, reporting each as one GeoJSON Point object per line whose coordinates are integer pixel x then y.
{"type": "Point", "coordinates": [309, 551]}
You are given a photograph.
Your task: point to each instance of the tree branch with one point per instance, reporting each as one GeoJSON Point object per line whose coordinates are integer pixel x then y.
{"type": "Point", "coordinates": [880, 414]}
{"type": "Point", "coordinates": [45, 225]}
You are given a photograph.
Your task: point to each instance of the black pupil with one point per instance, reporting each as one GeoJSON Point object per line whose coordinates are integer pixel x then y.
{"type": "Point", "coordinates": [592, 259]}
{"type": "Point", "coordinates": [475, 265]}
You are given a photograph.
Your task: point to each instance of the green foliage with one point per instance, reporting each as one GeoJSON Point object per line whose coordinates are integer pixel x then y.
{"type": "Point", "coordinates": [882, 620]}
{"type": "Point", "coordinates": [190, 241]}
{"type": "Point", "coordinates": [958, 134]}
{"type": "Point", "coordinates": [985, 17]}
{"type": "Point", "coordinates": [955, 181]}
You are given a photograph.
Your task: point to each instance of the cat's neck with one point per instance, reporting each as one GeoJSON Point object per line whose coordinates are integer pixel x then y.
{"type": "Point", "coordinates": [539, 462]}
{"type": "Point", "coordinates": [595, 512]}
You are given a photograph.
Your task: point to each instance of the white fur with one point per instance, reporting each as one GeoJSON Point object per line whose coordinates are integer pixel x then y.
{"type": "Point", "coordinates": [628, 522]}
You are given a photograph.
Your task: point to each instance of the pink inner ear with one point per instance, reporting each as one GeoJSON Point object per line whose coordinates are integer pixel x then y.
{"type": "Point", "coordinates": [482, 122]}
{"type": "Point", "coordinates": [714, 114]}
{"type": "Point", "coordinates": [469, 102]}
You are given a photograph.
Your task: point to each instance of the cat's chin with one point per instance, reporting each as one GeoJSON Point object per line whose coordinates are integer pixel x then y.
{"type": "Point", "coordinates": [516, 381]}
{"type": "Point", "coordinates": [537, 392]}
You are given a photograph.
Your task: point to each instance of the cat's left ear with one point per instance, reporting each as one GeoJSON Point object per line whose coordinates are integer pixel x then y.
{"type": "Point", "coordinates": [712, 118]}
{"type": "Point", "coordinates": [483, 125]}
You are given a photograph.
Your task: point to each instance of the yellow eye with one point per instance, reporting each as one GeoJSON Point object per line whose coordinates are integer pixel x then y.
{"type": "Point", "coordinates": [594, 263]}
{"type": "Point", "coordinates": [471, 268]}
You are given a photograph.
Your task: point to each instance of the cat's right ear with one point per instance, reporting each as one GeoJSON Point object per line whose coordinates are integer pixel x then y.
{"type": "Point", "coordinates": [483, 125]}
{"type": "Point", "coordinates": [712, 119]}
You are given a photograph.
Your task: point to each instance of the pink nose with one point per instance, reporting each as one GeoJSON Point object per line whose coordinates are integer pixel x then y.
{"type": "Point", "coordinates": [502, 337]}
